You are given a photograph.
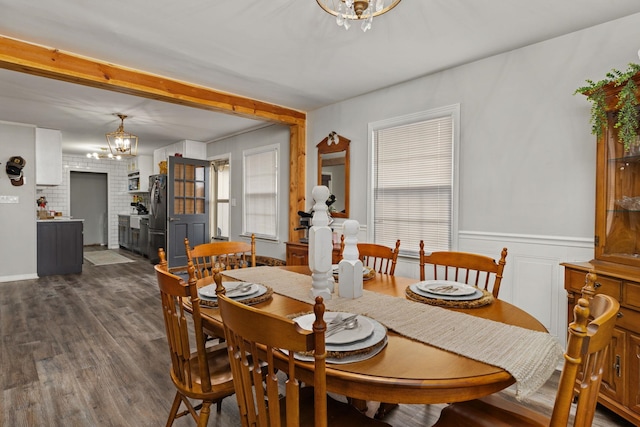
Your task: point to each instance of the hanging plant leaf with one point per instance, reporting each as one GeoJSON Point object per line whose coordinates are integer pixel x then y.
{"type": "Point", "coordinates": [627, 115]}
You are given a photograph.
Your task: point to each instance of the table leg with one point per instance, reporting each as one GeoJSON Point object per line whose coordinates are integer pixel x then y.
{"type": "Point", "coordinates": [359, 404]}
{"type": "Point", "coordinates": [384, 410]}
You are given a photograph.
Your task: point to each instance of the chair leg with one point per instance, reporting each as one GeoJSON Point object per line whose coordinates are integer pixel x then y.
{"type": "Point", "coordinates": [219, 406]}
{"type": "Point", "coordinates": [174, 409]}
{"type": "Point", "coordinates": [205, 412]}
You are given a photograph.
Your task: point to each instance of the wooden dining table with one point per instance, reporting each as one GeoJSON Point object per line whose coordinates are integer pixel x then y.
{"type": "Point", "coordinates": [406, 370]}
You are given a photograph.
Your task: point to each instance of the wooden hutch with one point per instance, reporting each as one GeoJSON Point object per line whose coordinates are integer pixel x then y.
{"type": "Point", "coordinates": [616, 262]}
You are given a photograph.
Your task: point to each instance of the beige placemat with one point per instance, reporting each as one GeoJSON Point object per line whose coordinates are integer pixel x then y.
{"type": "Point", "coordinates": [485, 299]}
{"type": "Point", "coordinates": [529, 356]}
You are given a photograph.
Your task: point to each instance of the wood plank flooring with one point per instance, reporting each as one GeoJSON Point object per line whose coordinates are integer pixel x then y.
{"type": "Point", "coordinates": [90, 350]}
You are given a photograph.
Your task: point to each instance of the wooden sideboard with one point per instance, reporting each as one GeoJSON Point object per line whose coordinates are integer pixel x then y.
{"type": "Point", "coordinates": [620, 390]}
{"type": "Point", "coordinates": [298, 253]}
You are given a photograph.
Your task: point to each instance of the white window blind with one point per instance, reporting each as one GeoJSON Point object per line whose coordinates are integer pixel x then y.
{"type": "Point", "coordinates": [261, 192]}
{"type": "Point", "coordinates": [413, 184]}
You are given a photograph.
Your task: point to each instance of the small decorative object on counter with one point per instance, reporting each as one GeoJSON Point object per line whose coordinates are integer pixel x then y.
{"type": "Point", "coordinates": [163, 167]}
{"type": "Point", "coordinates": [42, 204]}
{"type": "Point", "coordinates": [350, 267]}
{"type": "Point", "coordinates": [320, 245]}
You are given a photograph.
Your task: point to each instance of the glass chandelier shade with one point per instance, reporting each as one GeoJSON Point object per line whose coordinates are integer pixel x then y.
{"type": "Point", "coordinates": [122, 143]}
{"type": "Point", "coordinates": [348, 11]}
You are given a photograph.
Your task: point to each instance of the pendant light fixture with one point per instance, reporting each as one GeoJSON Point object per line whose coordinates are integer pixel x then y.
{"type": "Point", "coordinates": [348, 11]}
{"type": "Point", "coordinates": [122, 143]}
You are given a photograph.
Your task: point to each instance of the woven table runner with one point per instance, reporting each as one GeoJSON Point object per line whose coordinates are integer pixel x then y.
{"type": "Point", "coordinates": [529, 356]}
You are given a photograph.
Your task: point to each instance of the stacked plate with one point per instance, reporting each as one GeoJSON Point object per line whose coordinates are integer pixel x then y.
{"type": "Point", "coordinates": [446, 290]}
{"type": "Point", "coordinates": [347, 345]}
{"type": "Point", "coordinates": [236, 290]}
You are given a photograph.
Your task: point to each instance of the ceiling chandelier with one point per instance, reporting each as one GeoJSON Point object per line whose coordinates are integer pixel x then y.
{"type": "Point", "coordinates": [122, 143]}
{"type": "Point", "coordinates": [346, 11]}
{"type": "Point", "coordinates": [103, 155]}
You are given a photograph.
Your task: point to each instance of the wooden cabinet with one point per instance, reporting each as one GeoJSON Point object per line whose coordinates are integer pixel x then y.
{"type": "Point", "coordinates": [298, 253]}
{"type": "Point", "coordinates": [616, 260]}
{"type": "Point", "coordinates": [60, 247]}
{"type": "Point", "coordinates": [620, 385]}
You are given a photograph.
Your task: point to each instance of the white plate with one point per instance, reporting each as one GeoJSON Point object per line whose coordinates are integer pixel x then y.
{"type": "Point", "coordinates": [474, 296]}
{"type": "Point", "coordinates": [363, 330]}
{"type": "Point", "coordinates": [209, 291]}
{"type": "Point", "coordinates": [446, 287]}
{"type": "Point", "coordinates": [343, 360]}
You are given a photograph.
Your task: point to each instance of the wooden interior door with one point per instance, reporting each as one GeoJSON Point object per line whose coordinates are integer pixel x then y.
{"type": "Point", "coordinates": [187, 199]}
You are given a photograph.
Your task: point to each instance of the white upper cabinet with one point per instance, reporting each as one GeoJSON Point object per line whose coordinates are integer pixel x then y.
{"type": "Point", "coordinates": [48, 157]}
{"type": "Point", "coordinates": [186, 147]}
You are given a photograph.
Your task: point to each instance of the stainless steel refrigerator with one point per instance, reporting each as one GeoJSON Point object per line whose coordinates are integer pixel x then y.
{"type": "Point", "coordinates": [157, 216]}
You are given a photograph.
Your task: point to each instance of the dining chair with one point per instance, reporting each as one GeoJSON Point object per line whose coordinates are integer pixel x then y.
{"type": "Point", "coordinates": [202, 373]}
{"type": "Point", "coordinates": [473, 269]}
{"type": "Point", "coordinates": [379, 257]}
{"type": "Point", "coordinates": [214, 256]}
{"type": "Point", "coordinates": [257, 341]}
{"type": "Point", "coordinates": [589, 337]}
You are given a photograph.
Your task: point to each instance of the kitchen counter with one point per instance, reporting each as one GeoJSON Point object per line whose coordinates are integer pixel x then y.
{"type": "Point", "coordinates": [60, 249]}
{"type": "Point", "coordinates": [61, 219]}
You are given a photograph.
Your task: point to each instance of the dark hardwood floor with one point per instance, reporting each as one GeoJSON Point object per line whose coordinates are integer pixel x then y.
{"type": "Point", "coordinates": [89, 350]}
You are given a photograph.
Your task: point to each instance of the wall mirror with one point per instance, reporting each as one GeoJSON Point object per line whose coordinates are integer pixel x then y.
{"type": "Point", "coordinates": [333, 172]}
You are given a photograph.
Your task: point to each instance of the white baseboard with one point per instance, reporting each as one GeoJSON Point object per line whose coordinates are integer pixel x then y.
{"type": "Point", "coordinates": [18, 277]}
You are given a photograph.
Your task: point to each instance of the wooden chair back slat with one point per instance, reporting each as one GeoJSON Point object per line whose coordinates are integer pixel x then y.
{"type": "Point", "coordinates": [254, 339]}
{"type": "Point", "coordinates": [208, 258]}
{"type": "Point", "coordinates": [199, 373]}
{"type": "Point", "coordinates": [589, 337]}
{"type": "Point", "coordinates": [473, 269]}
{"type": "Point", "coordinates": [381, 258]}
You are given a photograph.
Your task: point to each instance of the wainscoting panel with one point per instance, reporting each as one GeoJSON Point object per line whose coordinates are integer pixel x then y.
{"type": "Point", "coordinates": [533, 277]}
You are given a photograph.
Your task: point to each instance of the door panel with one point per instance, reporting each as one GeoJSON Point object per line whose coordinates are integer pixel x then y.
{"type": "Point", "coordinates": [188, 190]}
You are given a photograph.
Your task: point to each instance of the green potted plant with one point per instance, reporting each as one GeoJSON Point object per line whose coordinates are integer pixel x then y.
{"type": "Point", "coordinates": [627, 113]}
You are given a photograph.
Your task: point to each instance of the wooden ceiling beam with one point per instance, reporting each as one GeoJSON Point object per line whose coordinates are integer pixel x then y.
{"type": "Point", "coordinates": [55, 64]}
{"type": "Point", "coordinates": [42, 61]}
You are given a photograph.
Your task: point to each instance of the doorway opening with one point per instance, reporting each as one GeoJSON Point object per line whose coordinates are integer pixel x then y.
{"type": "Point", "coordinates": [89, 201]}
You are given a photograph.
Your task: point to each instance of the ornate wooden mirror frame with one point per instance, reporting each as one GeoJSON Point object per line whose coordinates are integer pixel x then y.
{"type": "Point", "coordinates": [333, 171]}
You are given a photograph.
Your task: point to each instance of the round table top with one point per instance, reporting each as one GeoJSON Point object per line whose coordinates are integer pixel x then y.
{"type": "Point", "coordinates": [405, 371]}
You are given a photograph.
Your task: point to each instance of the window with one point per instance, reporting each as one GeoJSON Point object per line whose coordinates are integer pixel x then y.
{"type": "Point", "coordinates": [221, 182]}
{"type": "Point", "coordinates": [413, 192]}
{"type": "Point", "coordinates": [261, 192]}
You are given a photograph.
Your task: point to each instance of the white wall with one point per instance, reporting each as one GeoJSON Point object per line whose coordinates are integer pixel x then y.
{"type": "Point", "coordinates": [527, 158]}
{"type": "Point", "coordinates": [235, 145]}
{"type": "Point", "coordinates": [18, 221]}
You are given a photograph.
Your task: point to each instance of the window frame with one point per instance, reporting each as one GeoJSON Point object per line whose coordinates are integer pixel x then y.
{"type": "Point", "coordinates": [215, 200]}
{"type": "Point", "coordinates": [454, 112]}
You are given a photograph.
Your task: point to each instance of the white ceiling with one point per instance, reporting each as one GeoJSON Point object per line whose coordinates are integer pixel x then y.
{"type": "Point", "coordinates": [285, 52]}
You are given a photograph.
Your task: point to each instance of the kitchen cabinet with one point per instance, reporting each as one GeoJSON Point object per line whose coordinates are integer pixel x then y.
{"type": "Point", "coordinates": [298, 253]}
{"type": "Point", "coordinates": [187, 148]}
{"type": "Point", "coordinates": [48, 157]}
{"type": "Point", "coordinates": [124, 231]}
{"type": "Point", "coordinates": [616, 261]}
{"type": "Point", "coordinates": [138, 170]}
{"type": "Point", "coordinates": [59, 247]}
{"type": "Point", "coordinates": [144, 237]}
